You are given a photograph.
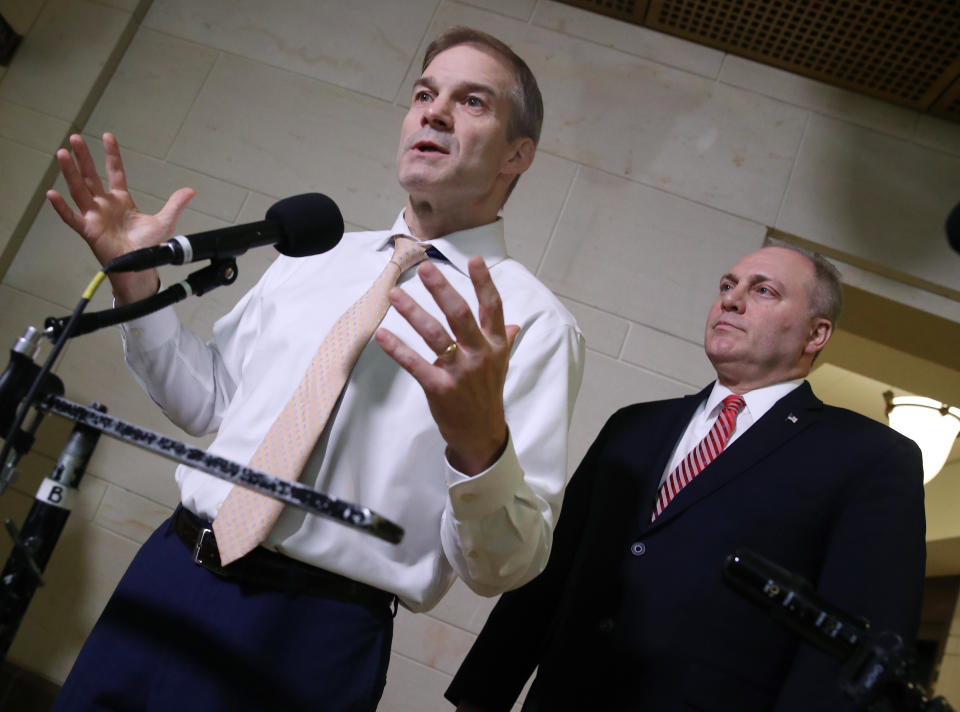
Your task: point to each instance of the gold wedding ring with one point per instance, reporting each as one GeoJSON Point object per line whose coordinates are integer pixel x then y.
{"type": "Point", "coordinates": [451, 349]}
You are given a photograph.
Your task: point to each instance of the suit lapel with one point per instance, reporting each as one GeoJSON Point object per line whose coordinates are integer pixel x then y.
{"type": "Point", "coordinates": [788, 417]}
{"type": "Point", "coordinates": [663, 435]}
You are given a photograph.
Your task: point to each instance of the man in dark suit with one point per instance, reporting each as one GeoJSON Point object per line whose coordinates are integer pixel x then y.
{"type": "Point", "coordinates": [631, 612]}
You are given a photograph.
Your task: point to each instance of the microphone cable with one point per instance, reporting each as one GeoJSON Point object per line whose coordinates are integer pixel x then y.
{"type": "Point", "coordinates": [45, 369]}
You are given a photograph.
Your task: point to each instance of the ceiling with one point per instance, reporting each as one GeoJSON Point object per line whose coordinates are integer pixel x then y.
{"type": "Point", "coordinates": [904, 51]}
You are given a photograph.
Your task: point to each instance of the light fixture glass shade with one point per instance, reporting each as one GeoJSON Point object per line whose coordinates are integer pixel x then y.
{"type": "Point", "coordinates": [922, 420]}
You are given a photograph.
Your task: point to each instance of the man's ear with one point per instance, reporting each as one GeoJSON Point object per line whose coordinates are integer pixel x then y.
{"type": "Point", "coordinates": [520, 157]}
{"type": "Point", "coordinates": [820, 331]}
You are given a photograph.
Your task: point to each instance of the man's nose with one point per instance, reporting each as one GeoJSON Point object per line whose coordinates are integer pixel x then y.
{"type": "Point", "coordinates": [732, 300]}
{"type": "Point", "coordinates": [438, 115]}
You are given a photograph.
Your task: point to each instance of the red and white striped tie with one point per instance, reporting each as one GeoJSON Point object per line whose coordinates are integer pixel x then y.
{"type": "Point", "coordinates": [701, 456]}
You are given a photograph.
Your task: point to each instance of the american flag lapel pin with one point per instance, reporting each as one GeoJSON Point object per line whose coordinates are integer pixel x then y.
{"type": "Point", "coordinates": [792, 418]}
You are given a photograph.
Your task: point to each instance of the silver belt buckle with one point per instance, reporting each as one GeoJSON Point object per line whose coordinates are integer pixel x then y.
{"type": "Point", "coordinates": [196, 547]}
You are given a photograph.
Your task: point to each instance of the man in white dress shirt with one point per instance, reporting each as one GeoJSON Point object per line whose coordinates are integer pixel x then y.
{"type": "Point", "coordinates": [432, 429]}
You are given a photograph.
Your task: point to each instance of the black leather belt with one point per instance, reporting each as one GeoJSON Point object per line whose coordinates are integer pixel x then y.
{"type": "Point", "coordinates": [267, 569]}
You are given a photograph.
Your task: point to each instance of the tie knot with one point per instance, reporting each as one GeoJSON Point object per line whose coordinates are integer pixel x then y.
{"type": "Point", "coordinates": [734, 404]}
{"type": "Point", "coordinates": [407, 252]}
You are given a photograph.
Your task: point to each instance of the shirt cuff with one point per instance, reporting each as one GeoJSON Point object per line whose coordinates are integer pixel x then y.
{"type": "Point", "coordinates": [151, 331]}
{"type": "Point", "coordinates": [482, 494]}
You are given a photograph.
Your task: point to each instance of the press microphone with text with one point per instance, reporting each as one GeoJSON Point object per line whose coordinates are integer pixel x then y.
{"type": "Point", "coordinates": [792, 601]}
{"type": "Point", "coordinates": [875, 671]}
{"type": "Point", "coordinates": [298, 226]}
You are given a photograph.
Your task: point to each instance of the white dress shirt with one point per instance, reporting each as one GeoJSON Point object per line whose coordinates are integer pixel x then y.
{"type": "Point", "coordinates": [757, 402]}
{"type": "Point", "coordinates": [382, 448]}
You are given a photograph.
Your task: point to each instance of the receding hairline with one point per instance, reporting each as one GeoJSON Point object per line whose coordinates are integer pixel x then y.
{"type": "Point", "coordinates": [482, 42]}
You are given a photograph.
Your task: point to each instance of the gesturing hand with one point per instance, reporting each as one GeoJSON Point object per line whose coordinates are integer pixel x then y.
{"type": "Point", "coordinates": [108, 219]}
{"type": "Point", "coordinates": [464, 385]}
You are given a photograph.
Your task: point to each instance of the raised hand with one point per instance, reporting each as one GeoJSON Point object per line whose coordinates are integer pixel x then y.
{"type": "Point", "coordinates": [464, 385]}
{"type": "Point", "coordinates": [107, 219]}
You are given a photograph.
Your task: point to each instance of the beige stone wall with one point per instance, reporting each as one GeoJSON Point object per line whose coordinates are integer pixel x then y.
{"type": "Point", "coordinates": [661, 162]}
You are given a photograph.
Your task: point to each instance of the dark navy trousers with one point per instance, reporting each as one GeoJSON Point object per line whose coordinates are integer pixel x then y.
{"type": "Point", "coordinates": [177, 638]}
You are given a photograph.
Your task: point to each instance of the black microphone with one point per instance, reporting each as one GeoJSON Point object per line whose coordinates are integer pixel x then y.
{"type": "Point", "coordinates": [876, 668]}
{"type": "Point", "coordinates": [953, 228]}
{"type": "Point", "coordinates": [298, 226]}
{"type": "Point", "coordinates": [792, 601]}
{"type": "Point", "coordinates": [15, 382]}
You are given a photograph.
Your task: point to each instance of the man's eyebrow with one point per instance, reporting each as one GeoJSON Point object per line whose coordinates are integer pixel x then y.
{"type": "Point", "coordinates": [426, 82]}
{"type": "Point", "coordinates": [761, 277]}
{"type": "Point", "coordinates": [429, 82]}
{"type": "Point", "coordinates": [476, 88]}
{"type": "Point", "coordinates": [753, 278]}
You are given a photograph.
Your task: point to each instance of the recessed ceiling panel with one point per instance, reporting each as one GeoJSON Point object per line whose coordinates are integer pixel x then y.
{"type": "Point", "coordinates": [904, 51]}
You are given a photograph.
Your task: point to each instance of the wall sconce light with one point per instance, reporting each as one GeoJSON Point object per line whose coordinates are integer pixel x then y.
{"type": "Point", "coordinates": [929, 423]}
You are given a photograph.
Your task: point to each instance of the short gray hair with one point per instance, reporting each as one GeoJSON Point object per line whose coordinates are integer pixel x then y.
{"type": "Point", "coordinates": [826, 297]}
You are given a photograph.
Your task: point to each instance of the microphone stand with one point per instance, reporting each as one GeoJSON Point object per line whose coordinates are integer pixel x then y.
{"type": "Point", "coordinates": [32, 548]}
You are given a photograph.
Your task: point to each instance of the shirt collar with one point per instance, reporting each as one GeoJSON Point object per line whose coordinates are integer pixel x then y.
{"type": "Point", "coordinates": [458, 247]}
{"type": "Point", "coordinates": [758, 401]}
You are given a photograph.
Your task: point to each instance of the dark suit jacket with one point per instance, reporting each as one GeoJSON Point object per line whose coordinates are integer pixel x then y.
{"type": "Point", "coordinates": [629, 615]}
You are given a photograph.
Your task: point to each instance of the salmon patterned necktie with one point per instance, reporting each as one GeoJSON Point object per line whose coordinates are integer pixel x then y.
{"type": "Point", "coordinates": [701, 456]}
{"type": "Point", "coordinates": [245, 517]}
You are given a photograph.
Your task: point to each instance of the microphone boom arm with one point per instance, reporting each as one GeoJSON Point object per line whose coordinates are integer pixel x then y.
{"type": "Point", "coordinates": [218, 273]}
{"type": "Point", "coordinates": [291, 493]}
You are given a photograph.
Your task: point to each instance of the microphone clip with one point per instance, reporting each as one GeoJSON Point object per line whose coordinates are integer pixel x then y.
{"type": "Point", "coordinates": [221, 271]}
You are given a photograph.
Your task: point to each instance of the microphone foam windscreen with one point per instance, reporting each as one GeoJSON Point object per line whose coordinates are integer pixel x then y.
{"type": "Point", "coordinates": [311, 223]}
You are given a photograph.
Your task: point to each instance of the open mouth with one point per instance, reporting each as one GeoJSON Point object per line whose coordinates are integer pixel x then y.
{"type": "Point", "coordinates": [426, 147]}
